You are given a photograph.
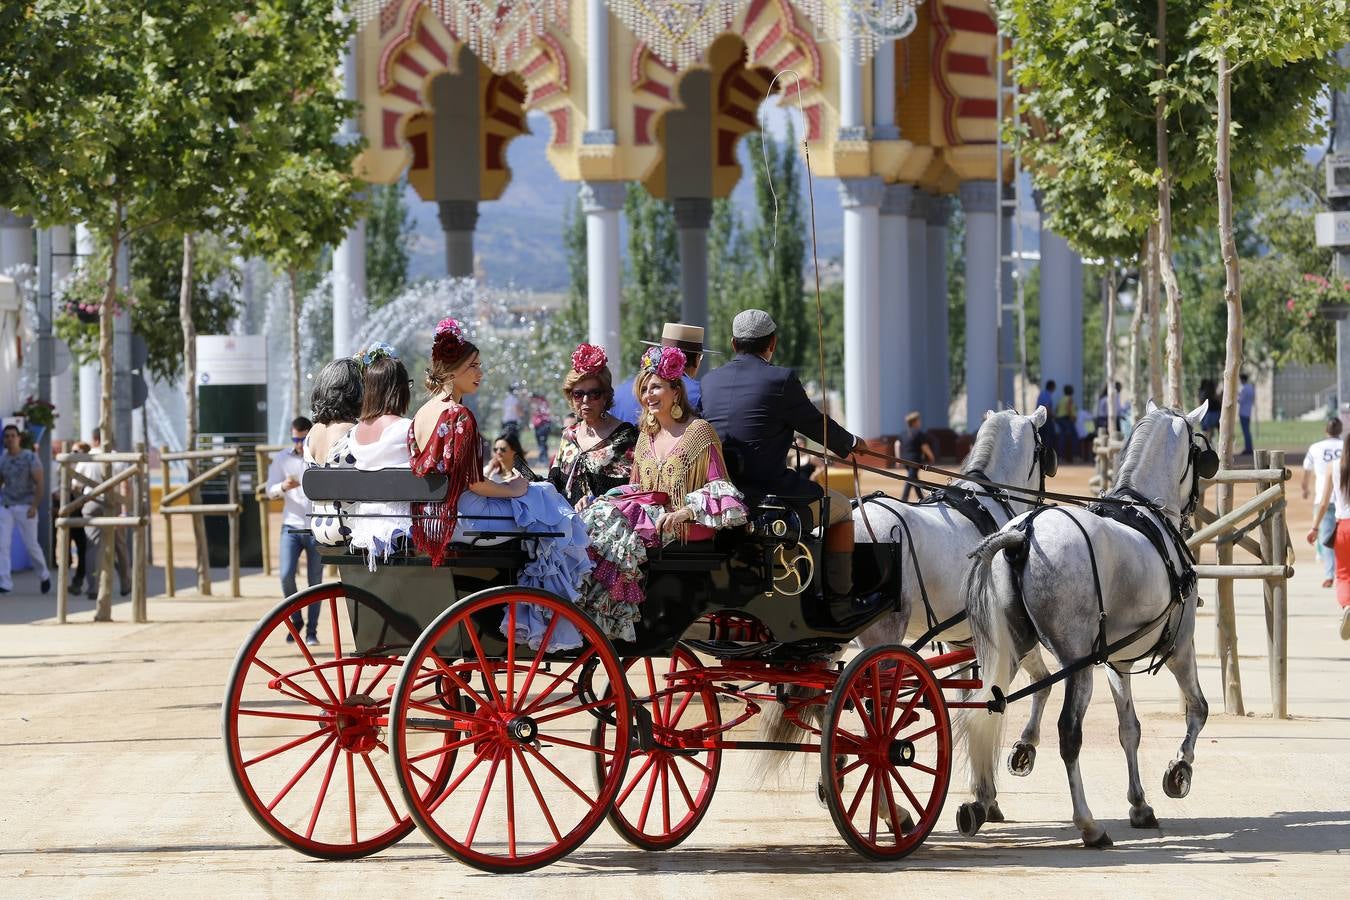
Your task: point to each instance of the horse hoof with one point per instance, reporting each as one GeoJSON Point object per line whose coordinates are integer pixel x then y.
{"type": "Point", "coordinates": [995, 814]}
{"type": "Point", "coordinates": [820, 795]}
{"type": "Point", "coordinates": [1100, 842]}
{"type": "Point", "coordinates": [1022, 759]}
{"type": "Point", "coordinates": [1177, 779]}
{"type": "Point", "coordinates": [1143, 818]}
{"type": "Point", "coordinates": [969, 818]}
{"type": "Point", "coordinates": [906, 823]}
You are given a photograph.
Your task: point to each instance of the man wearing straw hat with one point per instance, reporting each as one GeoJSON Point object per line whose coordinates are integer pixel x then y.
{"type": "Point", "coordinates": [688, 338]}
{"type": "Point", "coordinates": [756, 408]}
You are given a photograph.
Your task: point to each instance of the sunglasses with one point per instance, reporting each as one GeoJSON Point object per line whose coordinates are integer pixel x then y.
{"type": "Point", "coordinates": [592, 394]}
{"type": "Point", "coordinates": [500, 449]}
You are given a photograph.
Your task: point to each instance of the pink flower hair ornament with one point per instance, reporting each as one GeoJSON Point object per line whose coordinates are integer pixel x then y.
{"type": "Point", "coordinates": [589, 359]}
{"type": "Point", "coordinates": [667, 362]}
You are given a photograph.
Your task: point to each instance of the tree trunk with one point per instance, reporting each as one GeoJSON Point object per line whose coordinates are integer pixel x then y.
{"type": "Point", "coordinates": [1169, 272]}
{"type": "Point", "coordinates": [295, 341]}
{"type": "Point", "coordinates": [103, 608]}
{"type": "Point", "coordinates": [1137, 348]}
{"type": "Point", "coordinates": [1225, 620]}
{"type": "Point", "coordinates": [1111, 290]}
{"type": "Point", "coordinates": [190, 442]}
{"type": "Point", "coordinates": [1155, 337]}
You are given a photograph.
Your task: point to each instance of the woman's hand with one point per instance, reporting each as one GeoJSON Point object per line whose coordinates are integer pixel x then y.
{"type": "Point", "coordinates": [674, 519]}
{"type": "Point", "coordinates": [1312, 536]}
{"type": "Point", "coordinates": [583, 503]}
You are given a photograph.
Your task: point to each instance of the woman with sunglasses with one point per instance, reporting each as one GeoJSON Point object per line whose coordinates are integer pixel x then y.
{"type": "Point", "coordinates": [596, 454]}
{"type": "Point", "coordinates": [508, 460]}
{"type": "Point", "coordinates": [444, 440]}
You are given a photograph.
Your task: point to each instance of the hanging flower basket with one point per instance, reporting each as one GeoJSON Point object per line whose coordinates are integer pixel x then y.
{"type": "Point", "coordinates": [84, 312]}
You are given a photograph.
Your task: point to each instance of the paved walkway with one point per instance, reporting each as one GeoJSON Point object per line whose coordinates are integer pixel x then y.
{"type": "Point", "coordinates": [116, 784]}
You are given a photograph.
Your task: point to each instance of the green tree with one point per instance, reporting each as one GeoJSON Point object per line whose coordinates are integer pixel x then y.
{"type": "Point", "coordinates": [576, 310]}
{"type": "Point", "coordinates": [652, 293]}
{"type": "Point", "coordinates": [728, 270]}
{"type": "Point", "coordinates": [389, 230]}
{"type": "Point", "coordinates": [778, 244]}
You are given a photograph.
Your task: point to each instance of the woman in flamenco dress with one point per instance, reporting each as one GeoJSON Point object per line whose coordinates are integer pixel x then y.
{"type": "Point", "coordinates": [679, 491]}
{"type": "Point", "coordinates": [444, 439]}
{"type": "Point", "coordinates": [596, 454]}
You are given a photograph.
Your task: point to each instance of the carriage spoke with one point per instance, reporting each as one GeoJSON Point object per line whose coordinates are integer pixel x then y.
{"type": "Point", "coordinates": [287, 746]}
{"type": "Point", "coordinates": [538, 795]}
{"type": "Point", "coordinates": [679, 781]}
{"type": "Point", "coordinates": [922, 768]}
{"type": "Point", "coordinates": [646, 765]}
{"type": "Point", "coordinates": [658, 715]}
{"type": "Point", "coordinates": [379, 676]}
{"type": "Point", "coordinates": [441, 751]}
{"type": "Point", "coordinates": [647, 798]}
{"type": "Point", "coordinates": [510, 680]}
{"type": "Point", "coordinates": [323, 793]}
{"type": "Point", "coordinates": [876, 792]}
{"type": "Point", "coordinates": [511, 793]}
{"type": "Point", "coordinates": [286, 789]}
{"type": "Point", "coordinates": [482, 798]}
{"type": "Point", "coordinates": [665, 794]}
{"type": "Point", "coordinates": [861, 710]}
{"type": "Point", "coordinates": [303, 695]}
{"type": "Point", "coordinates": [862, 788]}
{"type": "Point", "coordinates": [463, 685]}
{"type": "Point", "coordinates": [548, 692]}
{"type": "Point", "coordinates": [337, 647]}
{"type": "Point", "coordinates": [595, 704]}
{"type": "Point", "coordinates": [919, 808]}
{"type": "Point", "coordinates": [269, 714]}
{"type": "Point", "coordinates": [379, 785]}
{"type": "Point", "coordinates": [478, 758]}
{"type": "Point", "coordinates": [918, 736]}
{"type": "Point", "coordinates": [561, 777]}
{"type": "Point", "coordinates": [351, 795]}
{"type": "Point", "coordinates": [447, 714]}
{"type": "Point", "coordinates": [489, 674]}
{"type": "Point", "coordinates": [577, 745]}
{"type": "Point", "coordinates": [538, 660]}
{"type": "Point", "coordinates": [885, 722]}
{"type": "Point", "coordinates": [309, 657]}
{"type": "Point", "coordinates": [896, 825]}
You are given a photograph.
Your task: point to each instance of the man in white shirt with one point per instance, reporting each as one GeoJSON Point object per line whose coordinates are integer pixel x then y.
{"type": "Point", "coordinates": [1317, 464]}
{"type": "Point", "coordinates": [283, 483]}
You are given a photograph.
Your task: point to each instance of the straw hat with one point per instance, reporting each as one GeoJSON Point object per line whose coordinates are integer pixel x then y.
{"type": "Point", "coordinates": [688, 338]}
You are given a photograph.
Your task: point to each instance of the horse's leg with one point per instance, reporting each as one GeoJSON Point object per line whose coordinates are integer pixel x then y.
{"type": "Point", "coordinates": [1177, 778]}
{"type": "Point", "coordinates": [1023, 756]}
{"type": "Point", "coordinates": [1141, 814]}
{"type": "Point", "coordinates": [1077, 695]}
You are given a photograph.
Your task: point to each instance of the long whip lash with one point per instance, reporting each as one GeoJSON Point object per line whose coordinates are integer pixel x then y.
{"type": "Point", "coordinates": [820, 306]}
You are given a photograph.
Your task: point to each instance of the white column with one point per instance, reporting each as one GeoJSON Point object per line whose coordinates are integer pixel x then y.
{"type": "Point", "coordinates": [601, 130]}
{"type": "Point", "coordinates": [692, 217]}
{"type": "Point", "coordinates": [349, 258]}
{"type": "Point", "coordinates": [16, 249]}
{"type": "Point", "coordinates": [883, 93]}
{"type": "Point", "coordinates": [601, 201]}
{"type": "Point", "coordinates": [1007, 333]}
{"type": "Point", "coordinates": [900, 340]}
{"type": "Point", "coordinates": [1061, 314]}
{"type": "Point", "coordinates": [861, 199]}
{"type": "Point", "coordinates": [916, 286]}
{"type": "Point", "coordinates": [852, 124]}
{"type": "Point", "coordinates": [979, 201]}
{"type": "Point", "coordinates": [939, 362]}
{"type": "Point", "coordinates": [63, 383]}
{"type": "Point", "coordinates": [91, 387]}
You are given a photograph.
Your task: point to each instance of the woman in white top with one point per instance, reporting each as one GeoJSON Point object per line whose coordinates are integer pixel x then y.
{"type": "Point", "coordinates": [1336, 489]}
{"type": "Point", "coordinates": [380, 441]}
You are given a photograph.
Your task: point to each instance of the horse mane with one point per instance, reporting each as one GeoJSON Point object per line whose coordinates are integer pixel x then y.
{"type": "Point", "coordinates": [982, 451]}
{"type": "Point", "coordinates": [1134, 446]}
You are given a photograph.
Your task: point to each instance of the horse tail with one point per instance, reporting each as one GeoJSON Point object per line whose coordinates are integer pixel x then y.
{"type": "Point", "coordinates": [779, 729]}
{"type": "Point", "coordinates": [997, 655]}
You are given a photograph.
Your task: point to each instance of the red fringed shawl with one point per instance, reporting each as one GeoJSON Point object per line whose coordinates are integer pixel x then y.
{"type": "Point", "coordinates": [456, 452]}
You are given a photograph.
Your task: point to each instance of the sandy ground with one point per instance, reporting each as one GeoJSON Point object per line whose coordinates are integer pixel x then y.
{"type": "Point", "coordinates": [116, 783]}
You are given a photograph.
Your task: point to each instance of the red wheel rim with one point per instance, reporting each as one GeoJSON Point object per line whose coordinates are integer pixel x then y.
{"type": "Point", "coordinates": [305, 731]}
{"type": "Point", "coordinates": [520, 798]}
{"type": "Point", "coordinates": [886, 752]}
{"type": "Point", "coordinates": [667, 792]}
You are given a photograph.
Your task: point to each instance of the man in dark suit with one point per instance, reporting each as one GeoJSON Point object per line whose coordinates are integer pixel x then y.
{"type": "Point", "coordinates": [757, 408]}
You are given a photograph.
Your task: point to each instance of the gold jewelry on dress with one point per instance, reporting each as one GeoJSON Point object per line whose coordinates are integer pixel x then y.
{"type": "Point", "coordinates": [651, 419]}
{"type": "Point", "coordinates": [677, 412]}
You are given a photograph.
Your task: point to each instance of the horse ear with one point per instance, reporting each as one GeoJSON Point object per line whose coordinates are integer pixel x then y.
{"type": "Point", "coordinates": [988, 413]}
{"type": "Point", "coordinates": [1152, 407]}
{"type": "Point", "coordinates": [1038, 417]}
{"type": "Point", "coordinates": [1196, 415]}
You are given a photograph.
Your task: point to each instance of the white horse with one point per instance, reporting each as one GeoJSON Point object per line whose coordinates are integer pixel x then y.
{"type": "Point", "coordinates": [1091, 587]}
{"type": "Point", "coordinates": [936, 539]}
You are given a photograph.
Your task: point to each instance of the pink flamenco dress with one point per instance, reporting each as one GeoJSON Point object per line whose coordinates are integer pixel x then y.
{"type": "Point", "coordinates": [622, 523]}
{"type": "Point", "coordinates": [556, 564]}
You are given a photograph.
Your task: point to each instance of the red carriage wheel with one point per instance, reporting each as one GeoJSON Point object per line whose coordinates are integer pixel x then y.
{"type": "Point", "coordinates": [669, 788]}
{"type": "Point", "coordinates": [886, 752]}
{"type": "Point", "coordinates": [304, 727]}
{"type": "Point", "coordinates": [522, 797]}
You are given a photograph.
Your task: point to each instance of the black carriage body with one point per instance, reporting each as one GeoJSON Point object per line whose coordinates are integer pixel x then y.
{"type": "Point", "coordinates": [720, 591]}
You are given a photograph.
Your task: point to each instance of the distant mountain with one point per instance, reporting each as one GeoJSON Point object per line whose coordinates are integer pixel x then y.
{"type": "Point", "coordinates": [519, 237]}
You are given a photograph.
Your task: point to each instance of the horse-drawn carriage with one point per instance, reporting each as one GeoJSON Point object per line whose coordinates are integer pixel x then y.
{"type": "Point", "coordinates": [509, 755]}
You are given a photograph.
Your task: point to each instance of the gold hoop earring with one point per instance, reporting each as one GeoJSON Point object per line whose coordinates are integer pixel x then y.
{"type": "Point", "coordinates": [677, 412]}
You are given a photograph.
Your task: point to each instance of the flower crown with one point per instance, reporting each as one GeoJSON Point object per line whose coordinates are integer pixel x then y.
{"type": "Point", "coordinates": [377, 350]}
{"type": "Point", "coordinates": [589, 359]}
{"type": "Point", "coordinates": [667, 362]}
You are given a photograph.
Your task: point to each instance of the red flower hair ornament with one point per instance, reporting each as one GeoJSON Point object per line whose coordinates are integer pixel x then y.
{"type": "Point", "coordinates": [448, 343]}
{"type": "Point", "coordinates": [589, 359]}
{"type": "Point", "coordinates": [667, 362]}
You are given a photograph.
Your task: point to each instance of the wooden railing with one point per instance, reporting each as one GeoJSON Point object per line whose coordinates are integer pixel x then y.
{"type": "Point", "coordinates": [263, 453]}
{"type": "Point", "coordinates": [119, 471]}
{"type": "Point", "coordinates": [226, 461]}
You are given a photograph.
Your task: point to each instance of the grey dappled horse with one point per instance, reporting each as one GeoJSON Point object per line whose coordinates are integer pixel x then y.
{"type": "Point", "coordinates": [1007, 451]}
{"type": "Point", "coordinates": [1057, 607]}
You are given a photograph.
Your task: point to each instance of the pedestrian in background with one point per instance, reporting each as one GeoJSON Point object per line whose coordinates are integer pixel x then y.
{"type": "Point", "coordinates": [1066, 423]}
{"type": "Point", "coordinates": [1046, 398]}
{"type": "Point", "coordinates": [20, 487]}
{"type": "Point", "coordinates": [914, 446]}
{"type": "Point", "coordinates": [1246, 399]}
{"type": "Point", "coordinates": [79, 541]}
{"type": "Point", "coordinates": [99, 539]}
{"type": "Point", "coordinates": [1321, 458]}
{"type": "Point", "coordinates": [1336, 494]}
{"type": "Point", "coordinates": [541, 420]}
{"type": "Point", "coordinates": [283, 483]}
